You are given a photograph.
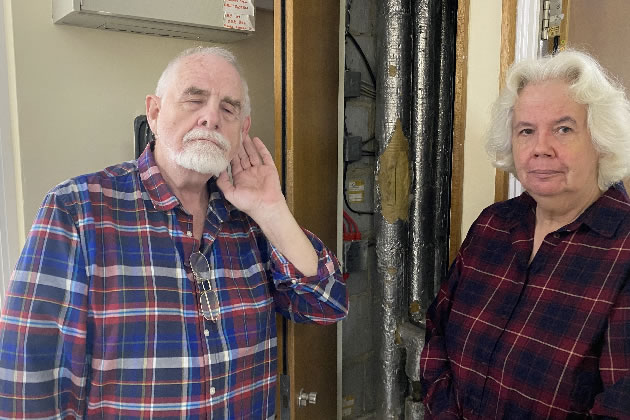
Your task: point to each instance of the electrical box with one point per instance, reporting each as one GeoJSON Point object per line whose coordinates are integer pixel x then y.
{"type": "Point", "coordinates": [352, 148]}
{"type": "Point", "coordinates": [352, 84]}
{"type": "Point", "coordinates": [202, 20]}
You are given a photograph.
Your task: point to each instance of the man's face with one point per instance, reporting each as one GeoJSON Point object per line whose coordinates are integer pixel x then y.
{"type": "Point", "coordinates": [198, 121]}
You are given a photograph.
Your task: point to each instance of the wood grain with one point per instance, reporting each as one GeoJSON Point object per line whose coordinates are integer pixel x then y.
{"type": "Point", "coordinates": [508, 44]}
{"type": "Point", "coordinates": [459, 128]}
{"type": "Point", "coordinates": [310, 98]}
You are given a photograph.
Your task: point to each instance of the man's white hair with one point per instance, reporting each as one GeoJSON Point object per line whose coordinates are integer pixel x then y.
{"type": "Point", "coordinates": [607, 107]}
{"type": "Point", "coordinates": [169, 71]}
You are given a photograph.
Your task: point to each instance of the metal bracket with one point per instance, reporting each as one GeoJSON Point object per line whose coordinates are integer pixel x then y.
{"type": "Point", "coordinates": [285, 397]}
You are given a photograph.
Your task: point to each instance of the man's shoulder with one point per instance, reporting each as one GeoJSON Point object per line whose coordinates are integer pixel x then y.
{"type": "Point", "coordinates": [110, 175]}
{"type": "Point", "coordinates": [119, 177]}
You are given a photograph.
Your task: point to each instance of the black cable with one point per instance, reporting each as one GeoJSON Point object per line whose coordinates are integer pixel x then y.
{"type": "Point", "coordinates": [367, 63]}
{"type": "Point", "coordinates": [556, 44]}
{"type": "Point", "coordinates": [369, 68]}
{"type": "Point", "coordinates": [345, 198]}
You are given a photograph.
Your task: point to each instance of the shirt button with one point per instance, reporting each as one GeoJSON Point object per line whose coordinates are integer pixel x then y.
{"type": "Point", "coordinates": [212, 390]}
{"type": "Point", "coordinates": [206, 332]}
{"type": "Point", "coordinates": [189, 234]}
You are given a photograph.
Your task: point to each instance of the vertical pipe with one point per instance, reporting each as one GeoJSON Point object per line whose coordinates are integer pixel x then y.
{"type": "Point", "coordinates": [391, 196]}
{"type": "Point", "coordinates": [426, 28]}
{"type": "Point", "coordinates": [444, 146]}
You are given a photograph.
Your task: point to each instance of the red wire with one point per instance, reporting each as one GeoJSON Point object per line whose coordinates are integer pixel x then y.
{"type": "Point", "coordinates": [353, 233]}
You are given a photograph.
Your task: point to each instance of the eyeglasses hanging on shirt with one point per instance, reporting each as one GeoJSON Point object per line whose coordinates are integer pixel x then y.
{"type": "Point", "coordinates": [206, 287]}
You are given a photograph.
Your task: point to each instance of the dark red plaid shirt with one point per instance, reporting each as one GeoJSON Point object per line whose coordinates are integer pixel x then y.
{"type": "Point", "coordinates": [551, 339]}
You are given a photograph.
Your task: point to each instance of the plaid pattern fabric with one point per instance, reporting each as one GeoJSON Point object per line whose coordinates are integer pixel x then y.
{"type": "Point", "coordinates": [102, 318]}
{"type": "Point", "coordinates": [550, 339]}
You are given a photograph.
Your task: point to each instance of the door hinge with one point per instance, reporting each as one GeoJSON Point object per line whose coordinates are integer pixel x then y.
{"type": "Point", "coordinates": [551, 19]}
{"type": "Point", "coordinates": [306, 398]}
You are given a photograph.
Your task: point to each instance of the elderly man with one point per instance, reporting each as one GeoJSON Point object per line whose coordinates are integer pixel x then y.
{"type": "Point", "coordinates": [149, 289]}
{"type": "Point", "coordinates": [533, 321]}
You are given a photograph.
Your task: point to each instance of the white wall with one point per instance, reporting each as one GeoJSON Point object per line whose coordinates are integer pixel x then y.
{"type": "Point", "coordinates": [77, 91]}
{"type": "Point", "coordinates": [484, 47]}
{"type": "Point", "coordinates": [8, 209]}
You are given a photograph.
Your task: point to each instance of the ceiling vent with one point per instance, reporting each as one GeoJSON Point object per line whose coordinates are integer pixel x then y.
{"type": "Point", "coordinates": [201, 20]}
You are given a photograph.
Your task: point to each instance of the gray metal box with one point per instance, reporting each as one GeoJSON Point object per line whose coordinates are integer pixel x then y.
{"type": "Point", "coordinates": [202, 20]}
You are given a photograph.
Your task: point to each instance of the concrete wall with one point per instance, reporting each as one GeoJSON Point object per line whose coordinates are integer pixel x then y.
{"type": "Point", "coordinates": [77, 91]}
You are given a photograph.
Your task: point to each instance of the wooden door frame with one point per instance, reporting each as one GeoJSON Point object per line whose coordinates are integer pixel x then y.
{"type": "Point", "coordinates": [459, 127]}
{"type": "Point", "coordinates": [306, 86]}
{"type": "Point", "coordinates": [508, 44]}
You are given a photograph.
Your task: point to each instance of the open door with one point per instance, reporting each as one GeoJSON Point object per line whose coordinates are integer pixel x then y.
{"type": "Point", "coordinates": [306, 84]}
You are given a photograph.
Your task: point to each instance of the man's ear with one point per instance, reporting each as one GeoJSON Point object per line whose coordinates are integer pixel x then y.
{"type": "Point", "coordinates": [247, 122]}
{"type": "Point", "coordinates": [153, 110]}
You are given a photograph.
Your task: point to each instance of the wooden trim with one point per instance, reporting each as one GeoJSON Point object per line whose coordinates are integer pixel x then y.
{"type": "Point", "coordinates": [508, 45]}
{"type": "Point", "coordinates": [278, 111]}
{"type": "Point", "coordinates": [508, 38]}
{"type": "Point", "coordinates": [277, 84]}
{"type": "Point", "coordinates": [501, 185]}
{"type": "Point", "coordinates": [306, 83]}
{"type": "Point", "coordinates": [564, 26]}
{"type": "Point", "coordinates": [459, 127]}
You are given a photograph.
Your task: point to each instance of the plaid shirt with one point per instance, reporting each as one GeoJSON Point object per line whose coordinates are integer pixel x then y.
{"type": "Point", "coordinates": [551, 339]}
{"type": "Point", "coordinates": [102, 318]}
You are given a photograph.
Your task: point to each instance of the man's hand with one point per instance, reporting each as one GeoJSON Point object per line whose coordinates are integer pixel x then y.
{"type": "Point", "coordinates": [256, 191]}
{"type": "Point", "coordinates": [256, 184]}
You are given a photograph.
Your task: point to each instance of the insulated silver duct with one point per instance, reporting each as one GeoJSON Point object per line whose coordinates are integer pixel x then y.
{"type": "Point", "coordinates": [426, 15]}
{"type": "Point", "coordinates": [391, 196]}
{"type": "Point", "coordinates": [414, 410]}
{"type": "Point", "coordinates": [412, 190]}
{"type": "Point", "coordinates": [412, 339]}
{"type": "Point", "coordinates": [444, 144]}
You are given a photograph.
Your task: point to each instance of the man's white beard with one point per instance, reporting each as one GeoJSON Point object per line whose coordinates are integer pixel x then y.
{"type": "Point", "coordinates": [203, 156]}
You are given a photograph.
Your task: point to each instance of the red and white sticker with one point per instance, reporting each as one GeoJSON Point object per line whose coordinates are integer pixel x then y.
{"type": "Point", "coordinates": [238, 14]}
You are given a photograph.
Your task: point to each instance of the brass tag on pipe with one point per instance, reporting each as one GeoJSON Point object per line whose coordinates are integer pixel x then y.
{"type": "Point", "coordinates": [394, 177]}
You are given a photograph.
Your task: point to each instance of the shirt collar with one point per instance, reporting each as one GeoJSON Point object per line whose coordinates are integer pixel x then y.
{"type": "Point", "coordinates": [162, 197]}
{"type": "Point", "coordinates": [603, 216]}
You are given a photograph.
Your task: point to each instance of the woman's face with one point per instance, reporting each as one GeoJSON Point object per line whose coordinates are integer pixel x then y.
{"type": "Point", "coordinates": [551, 144]}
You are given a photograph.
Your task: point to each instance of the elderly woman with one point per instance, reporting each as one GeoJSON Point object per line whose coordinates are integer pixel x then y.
{"type": "Point", "coordinates": [534, 318]}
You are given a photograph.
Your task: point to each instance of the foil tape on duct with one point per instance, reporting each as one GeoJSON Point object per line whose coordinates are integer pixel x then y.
{"type": "Point", "coordinates": [391, 196]}
{"type": "Point", "coordinates": [423, 135]}
{"type": "Point", "coordinates": [414, 410]}
{"type": "Point", "coordinates": [412, 339]}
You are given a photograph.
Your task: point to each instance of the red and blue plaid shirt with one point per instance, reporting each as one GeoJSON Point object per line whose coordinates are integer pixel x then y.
{"type": "Point", "coordinates": [551, 339]}
{"type": "Point", "coordinates": [102, 318]}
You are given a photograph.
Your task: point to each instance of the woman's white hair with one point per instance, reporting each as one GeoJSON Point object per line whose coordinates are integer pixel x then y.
{"type": "Point", "coordinates": [169, 71]}
{"type": "Point", "coordinates": [608, 110]}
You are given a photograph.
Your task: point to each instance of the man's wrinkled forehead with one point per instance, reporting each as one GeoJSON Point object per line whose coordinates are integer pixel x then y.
{"type": "Point", "coordinates": [187, 78]}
